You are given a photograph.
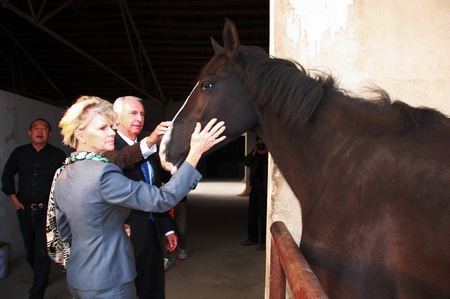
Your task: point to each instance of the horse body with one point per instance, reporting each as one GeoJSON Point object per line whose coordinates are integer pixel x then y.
{"type": "Point", "coordinates": [373, 178]}
{"type": "Point", "coordinates": [375, 217]}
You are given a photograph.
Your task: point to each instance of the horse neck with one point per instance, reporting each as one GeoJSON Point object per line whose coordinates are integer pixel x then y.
{"type": "Point", "coordinates": [303, 154]}
{"type": "Point", "coordinates": [293, 152]}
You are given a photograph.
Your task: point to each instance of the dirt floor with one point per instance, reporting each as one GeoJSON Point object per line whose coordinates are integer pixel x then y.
{"type": "Point", "coordinates": [216, 267]}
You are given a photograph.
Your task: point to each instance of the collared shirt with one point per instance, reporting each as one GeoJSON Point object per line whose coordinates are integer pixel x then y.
{"type": "Point", "coordinates": [145, 150]}
{"type": "Point", "coordinates": [35, 172]}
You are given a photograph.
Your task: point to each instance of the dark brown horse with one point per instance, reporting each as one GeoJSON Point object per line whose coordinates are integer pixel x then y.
{"type": "Point", "coordinates": [372, 176]}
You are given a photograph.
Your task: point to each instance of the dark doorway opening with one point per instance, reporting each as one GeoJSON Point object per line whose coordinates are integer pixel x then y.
{"type": "Point", "coordinates": [226, 162]}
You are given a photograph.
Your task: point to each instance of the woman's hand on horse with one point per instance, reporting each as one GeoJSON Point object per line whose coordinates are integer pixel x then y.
{"type": "Point", "coordinates": [203, 140]}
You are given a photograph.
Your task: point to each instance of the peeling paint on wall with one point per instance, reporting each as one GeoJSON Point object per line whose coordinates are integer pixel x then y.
{"type": "Point", "coordinates": [314, 18]}
{"type": "Point", "coordinates": [397, 45]}
{"type": "Point", "coordinates": [282, 208]}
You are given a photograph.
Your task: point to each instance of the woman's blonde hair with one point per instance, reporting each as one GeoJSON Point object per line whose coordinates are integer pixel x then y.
{"type": "Point", "coordinates": [78, 116]}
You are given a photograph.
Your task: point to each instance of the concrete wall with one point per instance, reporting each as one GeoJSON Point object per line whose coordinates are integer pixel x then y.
{"type": "Point", "coordinates": [16, 114]}
{"type": "Point", "coordinates": [398, 45]}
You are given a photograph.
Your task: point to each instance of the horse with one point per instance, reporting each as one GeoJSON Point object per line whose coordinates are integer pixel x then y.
{"type": "Point", "coordinates": [372, 175]}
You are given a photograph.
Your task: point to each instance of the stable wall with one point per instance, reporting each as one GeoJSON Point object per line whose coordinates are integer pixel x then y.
{"type": "Point", "coordinates": [16, 114]}
{"type": "Point", "coordinates": [398, 45]}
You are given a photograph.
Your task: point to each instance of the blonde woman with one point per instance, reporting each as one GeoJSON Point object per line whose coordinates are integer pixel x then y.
{"type": "Point", "coordinates": [93, 199]}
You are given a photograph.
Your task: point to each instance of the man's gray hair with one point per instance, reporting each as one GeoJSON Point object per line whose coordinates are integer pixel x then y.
{"type": "Point", "coordinates": [118, 103]}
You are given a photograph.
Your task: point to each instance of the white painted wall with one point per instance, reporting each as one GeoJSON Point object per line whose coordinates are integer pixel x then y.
{"type": "Point", "coordinates": [401, 46]}
{"type": "Point", "coordinates": [16, 114]}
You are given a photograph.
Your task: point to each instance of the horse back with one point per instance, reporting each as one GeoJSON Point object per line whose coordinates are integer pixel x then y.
{"type": "Point", "coordinates": [388, 197]}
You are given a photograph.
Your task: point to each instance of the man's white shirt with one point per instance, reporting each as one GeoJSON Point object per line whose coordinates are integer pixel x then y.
{"type": "Point", "coordinates": [146, 152]}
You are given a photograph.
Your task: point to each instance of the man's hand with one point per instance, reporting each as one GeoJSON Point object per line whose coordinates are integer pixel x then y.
{"type": "Point", "coordinates": [16, 202]}
{"type": "Point", "coordinates": [127, 229]}
{"type": "Point", "coordinates": [158, 133]}
{"type": "Point", "coordinates": [172, 242]}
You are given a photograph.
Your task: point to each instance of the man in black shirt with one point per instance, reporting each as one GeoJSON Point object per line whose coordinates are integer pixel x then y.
{"type": "Point", "coordinates": [35, 164]}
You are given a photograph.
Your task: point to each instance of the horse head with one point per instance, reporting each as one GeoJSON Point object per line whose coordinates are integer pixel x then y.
{"type": "Point", "coordinates": [219, 93]}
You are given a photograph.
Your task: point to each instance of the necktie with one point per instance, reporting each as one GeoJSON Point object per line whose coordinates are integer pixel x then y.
{"type": "Point", "coordinates": [146, 170]}
{"type": "Point", "coordinates": [144, 167]}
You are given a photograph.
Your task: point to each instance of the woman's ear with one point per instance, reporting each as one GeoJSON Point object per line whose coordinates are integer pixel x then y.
{"type": "Point", "coordinates": [79, 136]}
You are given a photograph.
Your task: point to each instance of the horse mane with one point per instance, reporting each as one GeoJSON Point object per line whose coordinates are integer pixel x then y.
{"type": "Point", "coordinates": [413, 119]}
{"type": "Point", "coordinates": [287, 89]}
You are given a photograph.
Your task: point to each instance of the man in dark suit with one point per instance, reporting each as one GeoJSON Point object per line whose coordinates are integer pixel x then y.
{"type": "Point", "coordinates": [144, 226]}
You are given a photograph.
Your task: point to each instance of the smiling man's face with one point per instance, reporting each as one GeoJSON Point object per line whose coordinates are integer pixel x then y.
{"type": "Point", "coordinates": [39, 132]}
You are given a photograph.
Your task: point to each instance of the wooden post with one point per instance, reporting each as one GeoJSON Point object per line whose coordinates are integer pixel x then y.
{"type": "Point", "coordinates": [277, 287]}
{"type": "Point", "coordinates": [302, 280]}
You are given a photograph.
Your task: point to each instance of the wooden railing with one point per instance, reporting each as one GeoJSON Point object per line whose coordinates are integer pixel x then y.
{"type": "Point", "coordinates": [286, 260]}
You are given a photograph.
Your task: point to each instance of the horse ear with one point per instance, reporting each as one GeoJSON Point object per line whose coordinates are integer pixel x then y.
{"type": "Point", "coordinates": [217, 48]}
{"type": "Point", "coordinates": [230, 38]}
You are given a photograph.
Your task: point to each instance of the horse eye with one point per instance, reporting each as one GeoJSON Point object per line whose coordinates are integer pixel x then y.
{"type": "Point", "coordinates": [207, 85]}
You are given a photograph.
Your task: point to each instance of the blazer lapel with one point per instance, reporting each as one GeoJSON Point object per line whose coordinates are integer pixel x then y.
{"type": "Point", "coordinates": [134, 173]}
{"type": "Point", "coordinates": [154, 163]}
{"type": "Point", "coordinates": [119, 143]}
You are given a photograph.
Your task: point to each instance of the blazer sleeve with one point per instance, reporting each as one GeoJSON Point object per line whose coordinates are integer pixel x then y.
{"type": "Point", "coordinates": [63, 226]}
{"type": "Point", "coordinates": [117, 189]}
{"type": "Point", "coordinates": [164, 222]}
{"type": "Point", "coordinates": [126, 157]}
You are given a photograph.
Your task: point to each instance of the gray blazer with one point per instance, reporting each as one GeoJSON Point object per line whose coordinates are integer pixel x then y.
{"type": "Point", "coordinates": [93, 200]}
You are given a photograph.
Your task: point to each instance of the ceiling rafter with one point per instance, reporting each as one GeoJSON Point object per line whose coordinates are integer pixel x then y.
{"type": "Point", "coordinates": [126, 11]}
{"type": "Point", "coordinates": [38, 67]}
{"type": "Point", "coordinates": [153, 49]}
{"type": "Point", "coordinates": [29, 18]}
{"type": "Point", "coordinates": [53, 13]}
